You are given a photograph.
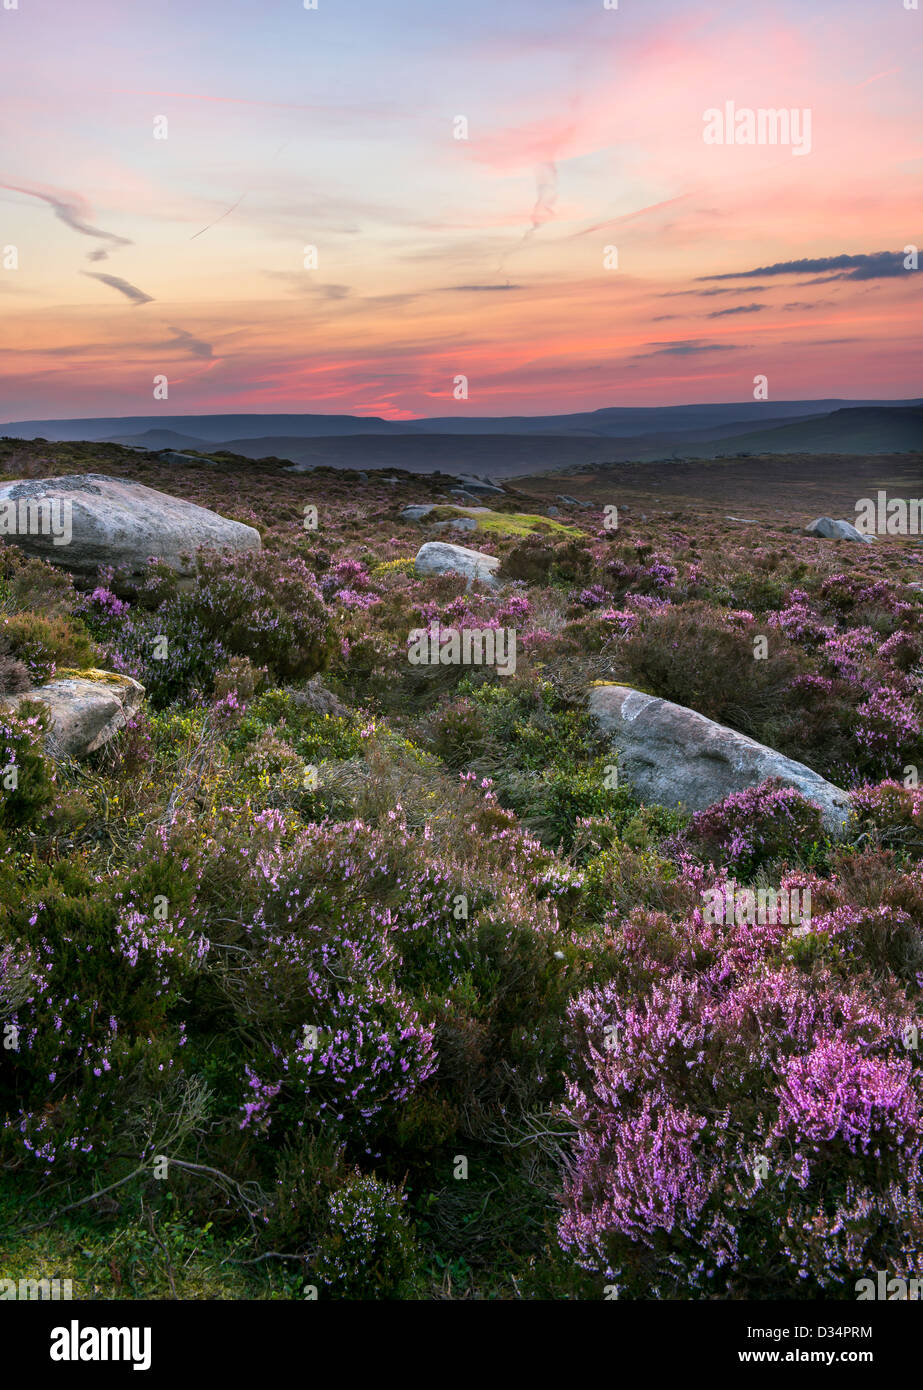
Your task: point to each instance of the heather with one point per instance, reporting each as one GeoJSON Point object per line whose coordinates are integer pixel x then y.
{"type": "Point", "coordinates": [319, 924]}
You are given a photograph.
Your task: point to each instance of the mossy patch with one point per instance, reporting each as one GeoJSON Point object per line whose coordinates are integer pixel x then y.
{"type": "Point", "coordinates": [91, 673]}
{"type": "Point", "coordinates": [506, 523]}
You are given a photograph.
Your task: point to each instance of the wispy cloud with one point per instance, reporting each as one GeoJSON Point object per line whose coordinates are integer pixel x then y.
{"type": "Point", "coordinates": [302, 282]}
{"type": "Point", "coordinates": [688, 347]}
{"type": "Point", "coordinates": [546, 195]}
{"type": "Point", "coordinates": [744, 289]}
{"type": "Point", "coordinates": [476, 289]}
{"type": "Point", "coordinates": [874, 265]}
{"type": "Point", "coordinates": [74, 212]}
{"type": "Point", "coordinates": [196, 347]}
{"type": "Point", "coordinates": [738, 309]}
{"type": "Point", "coordinates": [116, 282]}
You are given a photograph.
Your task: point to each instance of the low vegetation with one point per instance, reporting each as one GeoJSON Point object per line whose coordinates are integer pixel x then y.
{"type": "Point", "coordinates": [334, 971]}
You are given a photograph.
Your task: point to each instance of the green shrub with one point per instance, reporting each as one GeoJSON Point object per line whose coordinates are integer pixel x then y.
{"type": "Point", "coordinates": [27, 778]}
{"type": "Point", "coordinates": [368, 1249]}
{"type": "Point", "coordinates": [43, 643]}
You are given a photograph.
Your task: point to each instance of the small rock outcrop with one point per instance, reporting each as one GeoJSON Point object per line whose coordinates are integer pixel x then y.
{"type": "Point", "coordinates": [85, 709]}
{"type": "Point", "coordinates": [473, 483]}
{"type": "Point", "coordinates": [318, 699]}
{"type": "Point", "coordinates": [86, 520]}
{"type": "Point", "coordinates": [175, 456]}
{"type": "Point", "coordinates": [440, 557]}
{"type": "Point", "coordinates": [831, 530]}
{"type": "Point", "coordinates": [674, 756]}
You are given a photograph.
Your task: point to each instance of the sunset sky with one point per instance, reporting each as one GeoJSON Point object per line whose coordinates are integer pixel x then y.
{"type": "Point", "coordinates": [439, 256]}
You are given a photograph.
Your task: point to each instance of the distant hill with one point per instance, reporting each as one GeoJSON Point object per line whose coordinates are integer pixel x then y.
{"type": "Point", "coordinates": [512, 446]}
{"type": "Point", "coordinates": [863, 430]}
{"type": "Point", "coordinates": [158, 439]}
{"type": "Point", "coordinates": [611, 422]}
{"type": "Point", "coordinates": [623, 422]}
{"type": "Point", "coordinates": [212, 429]}
{"type": "Point", "coordinates": [501, 455]}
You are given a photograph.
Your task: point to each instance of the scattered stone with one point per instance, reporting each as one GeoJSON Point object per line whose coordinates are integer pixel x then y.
{"type": "Point", "coordinates": [746, 520]}
{"type": "Point", "coordinates": [553, 511]}
{"type": "Point", "coordinates": [441, 557]}
{"type": "Point", "coordinates": [832, 530]}
{"type": "Point", "coordinates": [673, 756]}
{"type": "Point", "coordinates": [85, 709]}
{"type": "Point", "coordinates": [172, 456]}
{"type": "Point", "coordinates": [572, 501]}
{"type": "Point", "coordinates": [475, 484]}
{"type": "Point", "coordinates": [417, 512]}
{"type": "Point", "coordinates": [95, 520]}
{"type": "Point", "coordinates": [318, 699]}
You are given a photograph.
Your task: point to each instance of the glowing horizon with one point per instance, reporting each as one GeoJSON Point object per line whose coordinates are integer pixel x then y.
{"type": "Point", "coordinates": [438, 257]}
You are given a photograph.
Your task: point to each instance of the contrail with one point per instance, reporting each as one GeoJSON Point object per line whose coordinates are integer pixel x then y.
{"type": "Point", "coordinates": [221, 218]}
{"type": "Point", "coordinates": [546, 195]}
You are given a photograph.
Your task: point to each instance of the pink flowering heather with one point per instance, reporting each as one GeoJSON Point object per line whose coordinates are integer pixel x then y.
{"type": "Point", "coordinates": [756, 825]}
{"type": "Point", "coordinates": [710, 1098]}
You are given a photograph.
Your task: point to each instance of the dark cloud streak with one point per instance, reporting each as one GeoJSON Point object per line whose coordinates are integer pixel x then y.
{"type": "Point", "coordinates": [874, 265]}
{"type": "Point", "coordinates": [116, 282]}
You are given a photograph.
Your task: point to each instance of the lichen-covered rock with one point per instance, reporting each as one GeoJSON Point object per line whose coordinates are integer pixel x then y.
{"type": "Point", "coordinates": [674, 756]}
{"type": "Point", "coordinates": [86, 520]}
{"type": "Point", "coordinates": [85, 709]}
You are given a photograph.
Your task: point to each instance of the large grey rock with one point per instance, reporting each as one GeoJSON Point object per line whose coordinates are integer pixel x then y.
{"type": "Point", "coordinates": [832, 530]}
{"type": "Point", "coordinates": [674, 756]}
{"type": "Point", "coordinates": [417, 511]}
{"type": "Point", "coordinates": [440, 557]}
{"type": "Point", "coordinates": [85, 709]}
{"type": "Point", "coordinates": [114, 521]}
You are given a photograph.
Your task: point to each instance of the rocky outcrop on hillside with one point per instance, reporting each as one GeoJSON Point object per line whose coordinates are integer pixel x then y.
{"type": "Point", "coordinates": [674, 756]}
{"type": "Point", "coordinates": [84, 708]}
{"type": "Point", "coordinates": [439, 557]}
{"type": "Point", "coordinates": [83, 521]}
{"type": "Point", "coordinates": [831, 530]}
